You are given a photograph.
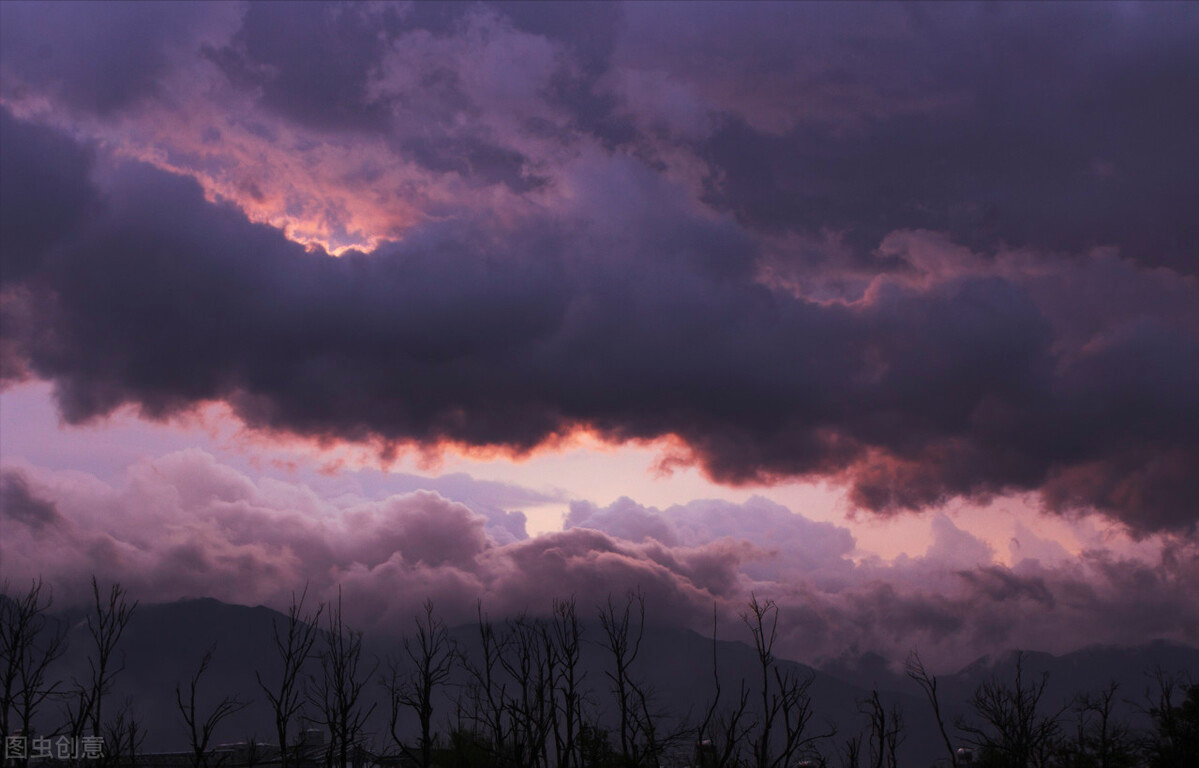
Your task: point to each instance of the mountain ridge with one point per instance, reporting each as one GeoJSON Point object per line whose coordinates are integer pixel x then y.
{"type": "Point", "coordinates": [164, 642]}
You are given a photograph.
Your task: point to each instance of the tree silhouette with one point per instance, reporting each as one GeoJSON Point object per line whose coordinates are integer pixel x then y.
{"type": "Point", "coordinates": [1175, 740]}
{"type": "Point", "coordinates": [431, 653]}
{"type": "Point", "coordinates": [201, 727]}
{"type": "Point", "coordinates": [123, 737]}
{"type": "Point", "coordinates": [928, 684]}
{"type": "Point", "coordinates": [1016, 730]}
{"type": "Point", "coordinates": [294, 648]}
{"type": "Point", "coordinates": [29, 644]}
{"type": "Point", "coordinates": [566, 637]}
{"type": "Point", "coordinates": [782, 736]}
{"type": "Point", "coordinates": [720, 735]}
{"type": "Point", "coordinates": [886, 732]}
{"type": "Point", "coordinates": [337, 691]}
{"type": "Point", "coordinates": [106, 624]}
{"type": "Point", "coordinates": [1103, 740]}
{"type": "Point", "coordinates": [641, 741]}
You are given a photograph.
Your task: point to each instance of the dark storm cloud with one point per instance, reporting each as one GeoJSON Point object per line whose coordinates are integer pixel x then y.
{"type": "Point", "coordinates": [1055, 125]}
{"type": "Point", "coordinates": [640, 211]}
{"type": "Point", "coordinates": [313, 61]}
{"type": "Point", "coordinates": [1060, 126]}
{"type": "Point", "coordinates": [508, 335]}
{"type": "Point", "coordinates": [320, 64]}
{"type": "Point", "coordinates": [310, 60]}
{"type": "Point", "coordinates": [100, 57]}
{"type": "Point", "coordinates": [43, 191]}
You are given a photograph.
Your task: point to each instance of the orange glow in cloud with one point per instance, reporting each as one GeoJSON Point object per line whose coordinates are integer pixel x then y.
{"type": "Point", "coordinates": [580, 464]}
{"type": "Point", "coordinates": [293, 194]}
{"type": "Point", "coordinates": [323, 192]}
{"type": "Point", "coordinates": [219, 423]}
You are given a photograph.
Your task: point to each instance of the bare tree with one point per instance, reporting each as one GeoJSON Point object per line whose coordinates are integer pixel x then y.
{"type": "Point", "coordinates": [547, 696]}
{"type": "Point", "coordinates": [123, 737]}
{"type": "Point", "coordinates": [886, 732]}
{"type": "Point", "coordinates": [622, 634]}
{"type": "Point", "coordinates": [782, 735]}
{"type": "Point", "coordinates": [595, 746]}
{"type": "Point", "coordinates": [29, 644]}
{"type": "Point", "coordinates": [1015, 728]}
{"type": "Point", "coordinates": [253, 753]}
{"type": "Point", "coordinates": [525, 661]}
{"type": "Point", "coordinates": [851, 752]}
{"type": "Point", "coordinates": [294, 646]}
{"type": "Point", "coordinates": [105, 625]}
{"type": "Point", "coordinates": [928, 684]}
{"type": "Point", "coordinates": [524, 698]}
{"type": "Point", "coordinates": [642, 739]}
{"type": "Point", "coordinates": [337, 692]}
{"type": "Point", "coordinates": [566, 635]}
{"type": "Point", "coordinates": [201, 727]}
{"type": "Point", "coordinates": [485, 694]}
{"type": "Point", "coordinates": [431, 652]}
{"type": "Point", "coordinates": [1174, 741]}
{"type": "Point", "coordinates": [720, 735]}
{"type": "Point", "coordinates": [1102, 736]}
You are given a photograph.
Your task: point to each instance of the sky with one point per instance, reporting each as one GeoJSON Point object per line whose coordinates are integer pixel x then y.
{"type": "Point", "coordinates": [886, 312]}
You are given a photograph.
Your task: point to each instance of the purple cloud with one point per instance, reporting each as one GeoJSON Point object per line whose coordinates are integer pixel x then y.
{"type": "Point", "coordinates": [928, 255]}
{"type": "Point", "coordinates": [638, 321]}
{"type": "Point", "coordinates": [185, 525]}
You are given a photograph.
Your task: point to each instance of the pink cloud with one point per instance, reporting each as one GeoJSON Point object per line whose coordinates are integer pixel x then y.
{"type": "Point", "coordinates": [186, 525]}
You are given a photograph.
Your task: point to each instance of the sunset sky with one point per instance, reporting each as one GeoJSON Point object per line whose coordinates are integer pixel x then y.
{"type": "Point", "coordinates": [887, 312]}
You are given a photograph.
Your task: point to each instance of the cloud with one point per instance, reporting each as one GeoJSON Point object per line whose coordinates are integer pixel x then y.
{"type": "Point", "coordinates": [925, 255]}
{"type": "Point", "coordinates": [628, 312]}
{"type": "Point", "coordinates": [26, 509]}
{"type": "Point", "coordinates": [786, 546]}
{"type": "Point", "coordinates": [953, 546]}
{"type": "Point", "coordinates": [104, 59]}
{"type": "Point", "coordinates": [983, 121]}
{"type": "Point", "coordinates": [185, 525]}
{"type": "Point", "coordinates": [1049, 127]}
{"type": "Point", "coordinates": [45, 191]}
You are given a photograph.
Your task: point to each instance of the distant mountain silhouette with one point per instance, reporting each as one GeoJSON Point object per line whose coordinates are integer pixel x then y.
{"type": "Point", "coordinates": [164, 643]}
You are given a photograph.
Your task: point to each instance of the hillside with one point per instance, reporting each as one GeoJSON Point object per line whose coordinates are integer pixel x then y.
{"type": "Point", "coordinates": [164, 643]}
